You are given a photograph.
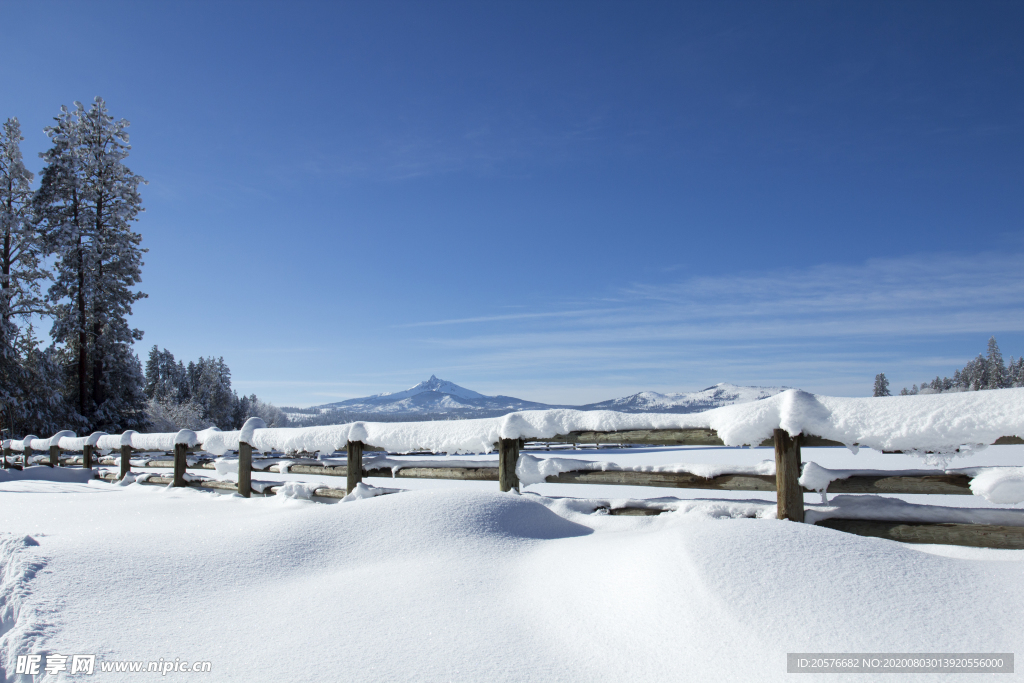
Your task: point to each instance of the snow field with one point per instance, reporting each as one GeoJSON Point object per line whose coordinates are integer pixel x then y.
{"type": "Point", "coordinates": [458, 585]}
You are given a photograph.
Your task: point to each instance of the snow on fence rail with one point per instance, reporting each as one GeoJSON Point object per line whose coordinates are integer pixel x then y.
{"type": "Point", "coordinates": [936, 424]}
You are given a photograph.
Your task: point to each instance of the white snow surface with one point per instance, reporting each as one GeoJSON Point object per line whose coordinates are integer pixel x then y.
{"type": "Point", "coordinates": [457, 585]}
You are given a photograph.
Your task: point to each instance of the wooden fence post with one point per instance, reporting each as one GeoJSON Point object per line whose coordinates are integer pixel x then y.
{"type": "Point", "coordinates": [789, 494]}
{"type": "Point", "coordinates": [245, 441]}
{"type": "Point", "coordinates": [7, 452]}
{"type": "Point", "coordinates": [126, 461]}
{"type": "Point", "coordinates": [126, 452]}
{"type": "Point", "coordinates": [54, 446]}
{"type": "Point", "coordinates": [87, 456]}
{"type": "Point", "coordinates": [354, 465]}
{"type": "Point", "coordinates": [244, 469]}
{"type": "Point", "coordinates": [26, 453]}
{"type": "Point", "coordinates": [508, 456]}
{"type": "Point", "coordinates": [180, 463]}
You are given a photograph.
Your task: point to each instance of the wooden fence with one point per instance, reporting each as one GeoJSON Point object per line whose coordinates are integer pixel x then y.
{"type": "Point", "coordinates": [785, 482]}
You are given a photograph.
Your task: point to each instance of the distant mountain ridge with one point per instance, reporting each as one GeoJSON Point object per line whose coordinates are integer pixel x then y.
{"type": "Point", "coordinates": [438, 399]}
{"type": "Point", "coordinates": [435, 396]}
{"type": "Point", "coordinates": [722, 394]}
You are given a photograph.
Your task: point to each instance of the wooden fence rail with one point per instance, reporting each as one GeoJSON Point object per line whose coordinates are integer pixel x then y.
{"type": "Point", "coordinates": [937, 482]}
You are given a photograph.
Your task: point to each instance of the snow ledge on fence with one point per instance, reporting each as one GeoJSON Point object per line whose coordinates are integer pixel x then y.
{"type": "Point", "coordinates": [939, 423]}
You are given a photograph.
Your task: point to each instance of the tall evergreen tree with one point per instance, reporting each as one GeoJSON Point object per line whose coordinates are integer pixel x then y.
{"type": "Point", "coordinates": [88, 200]}
{"type": "Point", "coordinates": [881, 385]}
{"type": "Point", "coordinates": [20, 272]}
{"type": "Point", "coordinates": [20, 275]}
{"type": "Point", "coordinates": [996, 377]}
{"type": "Point", "coordinates": [42, 408]}
{"type": "Point", "coordinates": [222, 399]}
{"type": "Point", "coordinates": [164, 377]}
{"type": "Point", "coordinates": [975, 374]}
{"type": "Point", "coordinates": [10, 372]}
{"type": "Point", "coordinates": [1016, 372]}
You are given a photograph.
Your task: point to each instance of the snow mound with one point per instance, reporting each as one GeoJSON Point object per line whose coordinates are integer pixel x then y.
{"type": "Point", "coordinates": [43, 473]}
{"type": "Point", "coordinates": [297, 490]}
{"type": "Point", "coordinates": [1003, 485]}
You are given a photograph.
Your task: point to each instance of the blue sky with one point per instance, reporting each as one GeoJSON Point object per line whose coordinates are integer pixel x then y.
{"type": "Point", "coordinates": [564, 202]}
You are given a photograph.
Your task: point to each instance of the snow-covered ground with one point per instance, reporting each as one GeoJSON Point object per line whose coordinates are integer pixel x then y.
{"type": "Point", "coordinates": [454, 581]}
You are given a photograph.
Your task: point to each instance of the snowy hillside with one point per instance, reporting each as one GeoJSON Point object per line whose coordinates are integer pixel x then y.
{"type": "Point", "coordinates": [723, 394]}
{"type": "Point", "coordinates": [440, 399]}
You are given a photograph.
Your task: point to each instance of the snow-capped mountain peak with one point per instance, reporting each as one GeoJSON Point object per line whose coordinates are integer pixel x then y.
{"type": "Point", "coordinates": [441, 386]}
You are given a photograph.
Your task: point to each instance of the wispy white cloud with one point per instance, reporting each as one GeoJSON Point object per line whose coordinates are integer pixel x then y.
{"type": "Point", "coordinates": [824, 327]}
{"type": "Point", "coordinates": [508, 316]}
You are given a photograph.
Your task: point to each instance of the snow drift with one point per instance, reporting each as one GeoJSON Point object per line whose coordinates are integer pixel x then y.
{"type": "Point", "coordinates": [463, 586]}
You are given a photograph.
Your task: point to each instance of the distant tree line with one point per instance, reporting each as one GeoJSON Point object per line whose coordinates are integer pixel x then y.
{"type": "Point", "coordinates": [199, 395]}
{"type": "Point", "coordinates": [986, 371]}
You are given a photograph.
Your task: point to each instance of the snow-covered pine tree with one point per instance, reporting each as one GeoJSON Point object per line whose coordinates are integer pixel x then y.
{"type": "Point", "coordinates": [42, 408]}
{"type": "Point", "coordinates": [164, 377]}
{"type": "Point", "coordinates": [10, 371]}
{"type": "Point", "coordinates": [1016, 372]}
{"type": "Point", "coordinates": [881, 385]}
{"type": "Point", "coordinates": [20, 243]}
{"type": "Point", "coordinates": [88, 200]}
{"type": "Point", "coordinates": [124, 402]}
{"type": "Point", "coordinates": [208, 383]}
{"type": "Point", "coordinates": [191, 389]}
{"type": "Point", "coordinates": [20, 275]}
{"type": "Point", "coordinates": [975, 374]}
{"type": "Point", "coordinates": [243, 410]}
{"type": "Point", "coordinates": [59, 207]}
{"type": "Point", "coordinates": [997, 376]}
{"type": "Point", "coordinates": [221, 399]}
